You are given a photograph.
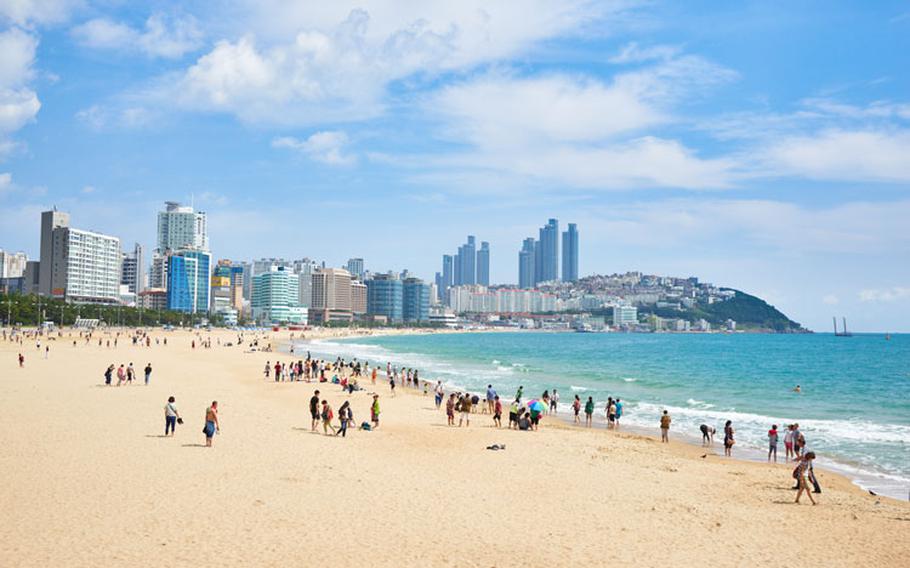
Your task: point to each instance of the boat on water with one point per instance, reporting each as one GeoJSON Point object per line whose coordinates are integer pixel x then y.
{"type": "Point", "coordinates": [842, 333]}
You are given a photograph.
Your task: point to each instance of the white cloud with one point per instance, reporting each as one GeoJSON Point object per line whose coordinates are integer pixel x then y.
{"type": "Point", "coordinates": [841, 155]}
{"type": "Point", "coordinates": [162, 36]}
{"type": "Point", "coordinates": [88, 189]}
{"type": "Point", "coordinates": [634, 53]}
{"type": "Point", "coordinates": [326, 147]}
{"type": "Point", "coordinates": [311, 64]}
{"type": "Point", "coordinates": [19, 104]}
{"type": "Point", "coordinates": [830, 299]}
{"type": "Point", "coordinates": [894, 294]}
{"type": "Point", "coordinates": [6, 180]}
{"type": "Point", "coordinates": [32, 12]}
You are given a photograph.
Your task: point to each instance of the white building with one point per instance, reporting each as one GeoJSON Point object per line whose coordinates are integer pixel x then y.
{"type": "Point", "coordinates": [132, 270]}
{"type": "Point", "coordinates": [85, 266]}
{"type": "Point", "coordinates": [625, 315]}
{"type": "Point", "coordinates": [181, 227]}
{"type": "Point", "coordinates": [12, 264]}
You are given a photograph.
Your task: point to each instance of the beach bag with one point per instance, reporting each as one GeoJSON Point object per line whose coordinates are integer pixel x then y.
{"type": "Point", "coordinates": [366, 426]}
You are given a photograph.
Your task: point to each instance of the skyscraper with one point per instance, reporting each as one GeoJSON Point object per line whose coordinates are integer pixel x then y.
{"type": "Point", "coordinates": [466, 263]}
{"type": "Point", "coordinates": [549, 252]}
{"type": "Point", "coordinates": [12, 265]}
{"type": "Point", "coordinates": [457, 273]}
{"type": "Point", "coordinates": [50, 220]}
{"type": "Point", "coordinates": [416, 300]}
{"type": "Point", "coordinates": [526, 264]}
{"type": "Point", "coordinates": [132, 270]}
{"type": "Point", "coordinates": [448, 275]}
{"type": "Point", "coordinates": [331, 296]}
{"type": "Point", "coordinates": [570, 254]}
{"type": "Point", "coordinates": [275, 295]}
{"type": "Point", "coordinates": [188, 281]}
{"type": "Point", "coordinates": [385, 297]}
{"type": "Point", "coordinates": [181, 227]}
{"type": "Point", "coordinates": [355, 267]}
{"type": "Point", "coordinates": [483, 264]}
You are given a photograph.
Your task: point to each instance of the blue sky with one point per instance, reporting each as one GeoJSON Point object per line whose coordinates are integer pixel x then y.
{"type": "Point", "coordinates": [759, 145]}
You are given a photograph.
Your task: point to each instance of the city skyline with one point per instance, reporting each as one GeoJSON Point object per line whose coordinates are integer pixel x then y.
{"type": "Point", "coordinates": [760, 148]}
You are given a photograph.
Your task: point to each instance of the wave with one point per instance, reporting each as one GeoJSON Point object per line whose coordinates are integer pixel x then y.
{"type": "Point", "coordinates": [577, 389]}
{"type": "Point", "coordinates": [629, 379]}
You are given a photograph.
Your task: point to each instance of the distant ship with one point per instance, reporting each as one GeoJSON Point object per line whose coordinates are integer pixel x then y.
{"type": "Point", "coordinates": [843, 333]}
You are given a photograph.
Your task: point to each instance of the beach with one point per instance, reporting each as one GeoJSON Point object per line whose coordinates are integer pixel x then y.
{"type": "Point", "coordinates": [89, 479]}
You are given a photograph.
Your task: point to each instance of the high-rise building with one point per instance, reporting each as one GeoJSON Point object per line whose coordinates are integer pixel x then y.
{"type": "Point", "coordinates": [331, 296]}
{"type": "Point", "coordinates": [467, 253]}
{"type": "Point", "coordinates": [305, 269]}
{"type": "Point", "coordinates": [526, 272]}
{"type": "Point", "coordinates": [180, 227]}
{"type": "Point", "coordinates": [355, 267]}
{"type": "Point", "coordinates": [570, 254]}
{"type": "Point", "coordinates": [483, 264]}
{"type": "Point", "coordinates": [85, 266]}
{"type": "Point", "coordinates": [385, 297]}
{"type": "Point", "coordinates": [415, 300]}
{"type": "Point", "coordinates": [50, 220]}
{"type": "Point", "coordinates": [358, 297]}
{"type": "Point", "coordinates": [188, 281]}
{"type": "Point", "coordinates": [158, 271]}
{"type": "Point", "coordinates": [275, 297]}
{"type": "Point", "coordinates": [132, 270]}
{"type": "Point", "coordinates": [547, 259]}
{"type": "Point", "coordinates": [457, 272]}
{"type": "Point", "coordinates": [221, 288]}
{"type": "Point", "coordinates": [12, 264]}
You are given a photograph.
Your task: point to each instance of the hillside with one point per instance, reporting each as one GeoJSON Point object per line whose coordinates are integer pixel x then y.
{"type": "Point", "coordinates": [749, 312]}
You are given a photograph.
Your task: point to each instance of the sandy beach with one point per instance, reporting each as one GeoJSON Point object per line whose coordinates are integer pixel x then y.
{"type": "Point", "coordinates": [89, 480]}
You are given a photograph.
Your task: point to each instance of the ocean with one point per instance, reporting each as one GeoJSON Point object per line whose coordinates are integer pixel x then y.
{"type": "Point", "coordinates": [854, 408]}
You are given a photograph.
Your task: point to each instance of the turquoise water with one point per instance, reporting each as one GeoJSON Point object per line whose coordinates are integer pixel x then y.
{"type": "Point", "coordinates": [854, 408]}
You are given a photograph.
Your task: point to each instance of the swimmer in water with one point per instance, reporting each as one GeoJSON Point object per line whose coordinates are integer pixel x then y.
{"type": "Point", "coordinates": [797, 389]}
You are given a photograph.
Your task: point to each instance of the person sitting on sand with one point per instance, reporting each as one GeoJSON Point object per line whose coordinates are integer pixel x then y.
{"type": "Point", "coordinates": [665, 427]}
{"type": "Point", "coordinates": [211, 423]}
{"type": "Point", "coordinates": [524, 422]}
{"type": "Point", "coordinates": [800, 473]}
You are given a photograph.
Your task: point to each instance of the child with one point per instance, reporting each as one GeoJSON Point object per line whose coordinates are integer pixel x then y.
{"type": "Point", "coordinates": [800, 473]}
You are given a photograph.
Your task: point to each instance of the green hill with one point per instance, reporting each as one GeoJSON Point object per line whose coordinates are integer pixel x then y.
{"type": "Point", "coordinates": [749, 313]}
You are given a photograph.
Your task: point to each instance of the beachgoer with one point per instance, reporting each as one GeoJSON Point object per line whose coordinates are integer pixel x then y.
{"type": "Point", "coordinates": [314, 411]}
{"type": "Point", "coordinates": [170, 417]}
{"type": "Point", "coordinates": [800, 474]}
{"type": "Point", "coordinates": [513, 414]}
{"type": "Point", "coordinates": [497, 412]}
{"type": "Point", "coordinates": [148, 373]}
{"type": "Point", "coordinates": [524, 422]}
{"type": "Point", "coordinates": [439, 394]}
{"type": "Point", "coordinates": [707, 434]}
{"type": "Point", "coordinates": [465, 416]}
{"type": "Point", "coordinates": [576, 408]}
{"type": "Point", "coordinates": [554, 401]}
{"type": "Point", "coordinates": [21, 360]}
{"type": "Point", "coordinates": [728, 438]}
{"type": "Point", "coordinates": [611, 414]}
{"type": "Point", "coordinates": [797, 389]}
{"type": "Point", "coordinates": [450, 410]}
{"type": "Point", "coordinates": [374, 411]}
{"type": "Point", "coordinates": [327, 416]}
{"type": "Point", "coordinates": [799, 441]}
{"type": "Point", "coordinates": [491, 396]}
{"type": "Point", "coordinates": [121, 374]}
{"type": "Point", "coordinates": [589, 411]}
{"type": "Point", "coordinates": [665, 427]}
{"type": "Point", "coordinates": [345, 416]}
{"type": "Point", "coordinates": [108, 374]}
{"type": "Point", "coordinates": [211, 423]}
{"type": "Point", "coordinates": [772, 443]}
{"type": "Point", "coordinates": [619, 407]}
{"type": "Point", "coordinates": [518, 394]}
{"type": "Point", "coordinates": [788, 442]}
{"type": "Point", "coordinates": [268, 369]}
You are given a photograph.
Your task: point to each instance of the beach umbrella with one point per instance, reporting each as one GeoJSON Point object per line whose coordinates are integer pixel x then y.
{"type": "Point", "coordinates": [536, 405]}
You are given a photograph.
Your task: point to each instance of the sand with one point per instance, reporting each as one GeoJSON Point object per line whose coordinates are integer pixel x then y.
{"type": "Point", "coordinates": [87, 480]}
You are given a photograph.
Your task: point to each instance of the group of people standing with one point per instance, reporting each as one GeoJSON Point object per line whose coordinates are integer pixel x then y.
{"type": "Point", "coordinates": [126, 374]}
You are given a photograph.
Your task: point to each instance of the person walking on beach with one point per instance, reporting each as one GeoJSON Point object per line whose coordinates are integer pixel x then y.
{"type": "Point", "coordinates": [589, 411]}
{"type": "Point", "coordinates": [619, 407]}
{"type": "Point", "coordinates": [170, 417]}
{"type": "Point", "coordinates": [513, 414]}
{"type": "Point", "coordinates": [521, 390]}
{"type": "Point", "coordinates": [344, 417]}
{"type": "Point", "coordinates": [108, 374]}
{"type": "Point", "coordinates": [465, 415]}
{"type": "Point", "coordinates": [21, 360]}
{"type": "Point", "coordinates": [554, 401]}
{"type": "Point", "coordinates": [392, 384]}
{"type": "Point", "coordinates": [611, 414]}
{"type": "Point", "coordinates": [327, 416]}
{"type": "Point", "coordinates": [130, 374]}
{"type": "Point", "coordinates": [314, 410]}
{"type": "Point", "coordinates": [268, 369]}
{"type": "Point", "coordinates": [439, 394]}
{"type": "Point", "coordinates": [148, 373]}
{"type": "Point", "coordinates": [497, 412]}
{"type": "Point", "coordinates": [772, 443]}
{"type": "Point", "coordinates": [211, 423]}
{"type": "Point", "coordinates": [665, 427]}
{"type": "Point", "coordinates": [576, 408]}
{"type": "Point", "coordinates": [374, 411]}
{"type": "Point", "coordinates": [799, 441]}
{"type": "Point", "coordinates": [800, 473]}
{"type": "Point", "coordinates": [728, 438]}
{"type": "Point", "coordinates": [121, 374]}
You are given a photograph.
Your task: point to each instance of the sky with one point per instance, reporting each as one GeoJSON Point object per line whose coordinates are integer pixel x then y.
{"type": "Point", "coordinates": [763, 146]}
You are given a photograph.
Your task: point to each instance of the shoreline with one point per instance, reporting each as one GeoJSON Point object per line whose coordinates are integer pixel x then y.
{"type": "Point", "coordinates": [873, 483]}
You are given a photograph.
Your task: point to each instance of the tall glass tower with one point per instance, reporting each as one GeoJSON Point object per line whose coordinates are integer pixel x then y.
{"type": "Point", "coordinates": [483, 264]}
{"type": "Point", "coordinates": [570, 254]}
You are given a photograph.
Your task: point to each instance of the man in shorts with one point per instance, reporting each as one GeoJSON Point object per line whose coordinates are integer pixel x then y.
{"type": "Point", "coordinates": [465, 415]}
{"type": "Point", "coordinates": [314, 410]}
